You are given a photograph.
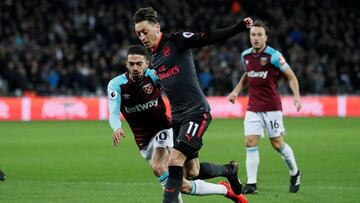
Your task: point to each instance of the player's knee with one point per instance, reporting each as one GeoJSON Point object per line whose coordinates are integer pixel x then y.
{"type": "Point", "coordinates": [176, 159]}
{"type": "Point", "coordinates": [186, 187]}
{"type": "Point", "coordinates": [276, 144]}
{"type": "Point", "coordinates": [251, 142]}
{"type": "Point", "coordinates": [158, 170]}
{"type": "Point", "coordinates": [192, 173]}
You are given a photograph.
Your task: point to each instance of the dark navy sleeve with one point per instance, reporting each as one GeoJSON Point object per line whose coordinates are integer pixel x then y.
{"type": "Point", "coordinates": [188, 40]}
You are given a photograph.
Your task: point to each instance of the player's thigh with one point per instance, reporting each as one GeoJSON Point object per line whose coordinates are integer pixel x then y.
{"type": "Point", "coordinates": [253, 124]}
{"type": "Point", "coordinates": [191, 168]}
{"type": "Point", "coordinates": [159, 161]}
{"type": "Point", "coordinates": [162, 143]}
{"type": "Point", "coordinates": [159, 158]}
{"type": "Point", "coordinates": [191, 131]}
{"type": "Point", "coordinates": [176, 158]}
{"type": "Point", "coordinates": [162, 139]}
{"type": "Point", "coordinates": [274, 125]}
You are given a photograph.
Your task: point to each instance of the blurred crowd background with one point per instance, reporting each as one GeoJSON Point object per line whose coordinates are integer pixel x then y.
{"type": "Point", "coordinates": [74, 47]}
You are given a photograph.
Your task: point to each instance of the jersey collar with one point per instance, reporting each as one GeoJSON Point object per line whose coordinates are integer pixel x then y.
{"type": "Point", "coordinates": [260, 52]}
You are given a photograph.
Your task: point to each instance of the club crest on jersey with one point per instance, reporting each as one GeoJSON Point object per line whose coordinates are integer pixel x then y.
{"type": "Point", "coordinates": [166, 51]}
{"type": "Point", "coordinates": [263, 61]}
{"type": "Point", "coordinates": [246, 62]}
{"type": "Point", "coordinates": [148, 88]}
{"type": "Point", "coordinates": [113, 94]}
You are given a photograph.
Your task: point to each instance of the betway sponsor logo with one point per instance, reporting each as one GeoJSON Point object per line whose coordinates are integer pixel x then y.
{"type": "Point", "coordinates": [142, 107]}
{"type": "Point", "coordinates": [168, 72]}
{"type": "Point", "coordinates": [64, 109]}
{"type": "Point", "coordinates": [259, 74]}
{"type": "Point", "coordinates": [4, 110]}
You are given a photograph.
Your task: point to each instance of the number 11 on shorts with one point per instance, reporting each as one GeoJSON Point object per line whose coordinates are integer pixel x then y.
{"type": "Point", "coordinates": [192, 129]}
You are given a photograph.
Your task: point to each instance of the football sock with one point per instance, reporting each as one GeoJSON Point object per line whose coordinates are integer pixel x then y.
{"type": "Point", "coordinates": [288, 155]}
{"type": "Point", "coordinates": [200, 187]}
{"type": "Point", "coordinates": [173, 185]}
{"type": "Point", "coordinates": [210, 170]}
{"type": "Point", "coordinates": [163, 180]}
{"type": "Point", "coordinates": [252, 164]}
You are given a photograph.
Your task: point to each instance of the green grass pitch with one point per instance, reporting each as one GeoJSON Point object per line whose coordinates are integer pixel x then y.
{"type": "Point", "coordinates": [71, 161]}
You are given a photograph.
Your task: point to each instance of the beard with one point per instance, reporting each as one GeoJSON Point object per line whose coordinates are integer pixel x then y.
{"type": "Point", "coordinates": [137, 78]}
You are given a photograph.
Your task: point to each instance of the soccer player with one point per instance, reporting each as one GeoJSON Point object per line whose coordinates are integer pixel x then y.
{"type": "Point", "coordinates": [136, 95]}
{"type": "Point", "coordinates": [174, 65]}
{"type": "Point", "coordinates": [263, 67]}
{"type": "Point", "coordinates": [2, 176]}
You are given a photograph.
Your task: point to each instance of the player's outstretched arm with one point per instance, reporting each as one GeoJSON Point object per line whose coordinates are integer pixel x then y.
{"type": "Point", "coordinates": [294, 86]}
{"type": "Point", "coordinates": [239, 87]}
{"type": "Point", "coordinates": [195, 40]}
{"type": "Point", "coordinates": [117, 135]}
{"type": "Point", "coordinates": [114, 101]}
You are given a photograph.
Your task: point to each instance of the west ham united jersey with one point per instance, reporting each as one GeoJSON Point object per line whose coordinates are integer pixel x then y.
{"type": "Point", "coordinates": [263, 71]}
{"type": "Point", "coordinates": [172, 59]}
{"type": "Point", "coordinates": [141, 105]}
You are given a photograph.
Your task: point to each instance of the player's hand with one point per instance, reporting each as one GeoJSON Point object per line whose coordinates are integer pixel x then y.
{"type": "Point", "coordinates": [297, 103]}
{"type": "Point", "coordinates": [232, 97]}
{"type": "Point", "coordinates": [248, 22]}
{"type": "Point", "coordinates": [117, 135]}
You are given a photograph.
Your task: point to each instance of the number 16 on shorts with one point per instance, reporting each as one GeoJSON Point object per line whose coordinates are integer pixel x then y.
{"type": "Point", "coordinates": [271, 121]}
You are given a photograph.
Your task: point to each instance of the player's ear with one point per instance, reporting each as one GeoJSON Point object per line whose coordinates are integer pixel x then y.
{"type": "Point", "coordinates": [147, 63]}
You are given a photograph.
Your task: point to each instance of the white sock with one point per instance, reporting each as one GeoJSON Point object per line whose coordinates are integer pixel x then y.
{"type": "Point", "coordinates": [163, 180]}
{"type": "Point", "coordinates": [252, 164]}
{"type": "Point", "coordinates": [200, 187]}
{"type": "Point", "coordinates": [288, 155]}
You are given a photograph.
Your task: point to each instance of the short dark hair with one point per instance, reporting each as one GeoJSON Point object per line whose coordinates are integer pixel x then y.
{"type": "Point", "coordinates": [147, 13]}
{"type": "Point", "coordinates": [260, 23]}
{"type": "Point", "coordinates": [138, 50]}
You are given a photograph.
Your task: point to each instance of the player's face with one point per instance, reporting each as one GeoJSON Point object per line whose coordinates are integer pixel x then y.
{"type": "Point", "coordinates": [258, 37]}
{"type": "Point", "coordinates": [136, 65]}
{"type": "Point", "coordinates": [148, 33]}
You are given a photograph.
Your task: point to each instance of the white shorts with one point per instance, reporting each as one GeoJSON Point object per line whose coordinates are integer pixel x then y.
{"type": "Point", "coordinates": [162, 139]}
{"type": "Point", "coordinates": [271, 121]}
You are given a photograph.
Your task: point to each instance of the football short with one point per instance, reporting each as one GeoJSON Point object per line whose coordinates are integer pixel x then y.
{"type": "Point", "coordinates": [162, 139]}
{"type": "Point", "coordinates": [271, 121]}
{"type": "Point", "coordinates": [188, 134]}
